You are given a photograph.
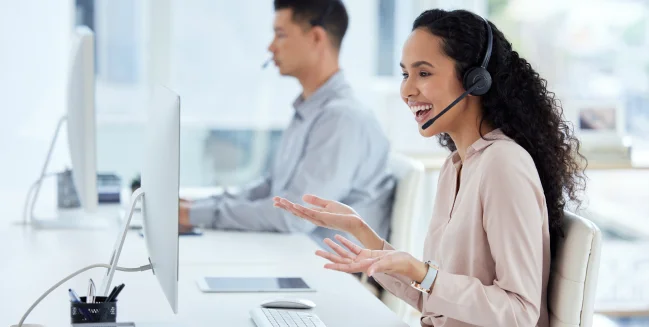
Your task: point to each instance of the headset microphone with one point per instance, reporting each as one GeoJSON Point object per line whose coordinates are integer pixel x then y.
{"type": "Point", "coordinates": [432, 120]}
{"type": "Point", "coordinates": [267, 62]}
{"type": "Point", "coordinates": [476, 81]}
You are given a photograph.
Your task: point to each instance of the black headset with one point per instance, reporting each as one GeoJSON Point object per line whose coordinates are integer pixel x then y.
{"type": "Point", "coordinates": [476, 80]}
{"type": "Point", "coordinates": [475, 75]}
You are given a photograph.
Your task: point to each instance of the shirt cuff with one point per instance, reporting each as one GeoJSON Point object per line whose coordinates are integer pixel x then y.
{"type": "Point", "coordinates": [202, 213]}
{"type": "Point", "coordinates": [398, 285]}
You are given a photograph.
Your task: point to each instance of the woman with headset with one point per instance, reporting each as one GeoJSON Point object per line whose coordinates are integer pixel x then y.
{"type": "Point", "coordinates": [501, 192]}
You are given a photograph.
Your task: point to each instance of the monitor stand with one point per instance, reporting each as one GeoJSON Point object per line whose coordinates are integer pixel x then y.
{"type": "Point", "coordinates": [76, 218]}
{"type": "Point", "coordinates": [137, 195]}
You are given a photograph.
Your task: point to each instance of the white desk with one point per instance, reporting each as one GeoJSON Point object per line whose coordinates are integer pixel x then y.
{"type": "Point", "coordinates": [258, 248]}
{"type": "Point", "coordinates": [37, 259]}
{"type": "Point", "coordinates": [214, 247]}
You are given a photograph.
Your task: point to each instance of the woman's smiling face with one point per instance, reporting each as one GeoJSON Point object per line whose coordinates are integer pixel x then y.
{"type": "Point", "coordinates": [430, 82]}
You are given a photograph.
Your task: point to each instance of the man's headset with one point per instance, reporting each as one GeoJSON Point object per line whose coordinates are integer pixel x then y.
{"type": "Point", "coordinates": [318, 21]}
{"type": "Point", "coordinates": [476, 81]}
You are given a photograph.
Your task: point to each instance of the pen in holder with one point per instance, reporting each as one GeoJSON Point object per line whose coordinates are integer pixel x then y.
{"type": "Point", "coordinates": [99, 311]}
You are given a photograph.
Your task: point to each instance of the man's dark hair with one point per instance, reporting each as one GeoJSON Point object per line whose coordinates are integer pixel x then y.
{"type": "Point", "coordinates": [330, 14]}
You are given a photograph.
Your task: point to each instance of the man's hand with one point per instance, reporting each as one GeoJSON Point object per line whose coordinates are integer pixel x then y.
{"type": "Point", "coordinates": [183, 212]}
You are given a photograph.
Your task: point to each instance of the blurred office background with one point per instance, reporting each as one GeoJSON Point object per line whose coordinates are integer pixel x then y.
{"type": "Point", "coordinates": [594, 54]}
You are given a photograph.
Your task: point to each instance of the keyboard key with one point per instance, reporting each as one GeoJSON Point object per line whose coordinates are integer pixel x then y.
{"type": "Point", "coordinates": [286, 318]}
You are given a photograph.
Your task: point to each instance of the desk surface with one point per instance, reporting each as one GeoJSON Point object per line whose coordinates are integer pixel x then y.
{"type": "Point", "coordinates": [214, 247]}
{"type": "Point", "coordinates": [38, 259]}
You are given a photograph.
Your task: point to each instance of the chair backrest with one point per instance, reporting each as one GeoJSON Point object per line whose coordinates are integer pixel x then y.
{"type": "Point", "coordinates": [406, 208]}
{"type": "Point", "coordinates": [573, 278]}
{"type": "Point", "coordinates": [407, 200]}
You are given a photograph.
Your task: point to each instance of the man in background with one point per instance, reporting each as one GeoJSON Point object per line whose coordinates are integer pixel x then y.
{"type": "Point", "coordinates": [333, 147]}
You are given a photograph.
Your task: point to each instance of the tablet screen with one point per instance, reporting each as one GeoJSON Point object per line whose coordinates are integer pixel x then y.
{"type": "Point", "coordinates": [255, 284]}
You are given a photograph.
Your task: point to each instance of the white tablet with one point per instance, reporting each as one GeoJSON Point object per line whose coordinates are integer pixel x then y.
{"type": "Point", "coordinates": [253, 284]}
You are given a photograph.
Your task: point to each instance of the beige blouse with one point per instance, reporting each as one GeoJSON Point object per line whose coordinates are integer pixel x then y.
{"type": "Point", "coordinates": [492, 242]}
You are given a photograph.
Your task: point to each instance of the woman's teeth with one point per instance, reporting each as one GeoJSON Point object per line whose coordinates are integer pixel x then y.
{"type": "Point", "coordinates": [416, 109]}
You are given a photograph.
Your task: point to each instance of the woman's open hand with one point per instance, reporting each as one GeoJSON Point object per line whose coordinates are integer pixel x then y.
{"type": "Point", "coordinates": [324, 213]}
{"type": "Point", "coordinates": [356, 259]}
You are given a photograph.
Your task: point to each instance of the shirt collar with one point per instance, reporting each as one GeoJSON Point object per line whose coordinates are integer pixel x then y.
{"type": "Point", "coordinates": [480, 144]}
{"type": "Point", "coordinates": [487, 140]}
{"type": "Point", "coordinates": [305, 108]}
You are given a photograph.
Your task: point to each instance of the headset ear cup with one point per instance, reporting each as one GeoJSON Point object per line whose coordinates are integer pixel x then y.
{"type": "Point", "coordinates": [474, 75]}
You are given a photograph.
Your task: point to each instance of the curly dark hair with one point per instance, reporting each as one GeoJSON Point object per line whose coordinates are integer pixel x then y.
{"type": "Point", "coordinates": [518, 103]}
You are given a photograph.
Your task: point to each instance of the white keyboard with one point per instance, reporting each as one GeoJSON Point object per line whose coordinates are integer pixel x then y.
{"type": "Point", "coordinates": [284, 318]}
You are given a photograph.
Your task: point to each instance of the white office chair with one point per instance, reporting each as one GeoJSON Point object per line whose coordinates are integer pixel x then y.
{"type": "Point", "coordinates": [573, 279]}
{"type": "Point", "coordinates": [407, 207]}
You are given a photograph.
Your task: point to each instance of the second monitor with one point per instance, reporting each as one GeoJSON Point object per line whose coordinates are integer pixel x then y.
{"type": "Point", "coordinates": [159, 196]}
{"type": "Point", "coordinates": [81, 130]}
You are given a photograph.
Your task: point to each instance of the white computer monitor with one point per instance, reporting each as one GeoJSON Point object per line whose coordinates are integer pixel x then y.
{"type": "Point", "coordinates": [161, 179]}
{"type": "Point", "coordinates": [81, 119]}
{"type": "Point", "coordinates": [159, 195]}
{"type": "Point", "coordinates": [81, 128]}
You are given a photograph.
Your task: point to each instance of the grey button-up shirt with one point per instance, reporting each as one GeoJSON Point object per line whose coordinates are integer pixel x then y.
{"type": "Point", "coordinates": [333, 148]}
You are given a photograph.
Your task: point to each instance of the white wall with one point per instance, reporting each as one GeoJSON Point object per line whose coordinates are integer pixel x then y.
{"type": "Point", "coordinates": [34, 43]}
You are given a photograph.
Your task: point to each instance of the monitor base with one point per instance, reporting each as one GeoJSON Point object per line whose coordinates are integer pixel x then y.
{"type": "Point", "coordinates": [76, 218]}
{"type": "Point", "coordinates": [73, 219]}
{"type": "Point", "coordinates": [105, 324]}
{"type": "Point", "coordinates": [61, 224]}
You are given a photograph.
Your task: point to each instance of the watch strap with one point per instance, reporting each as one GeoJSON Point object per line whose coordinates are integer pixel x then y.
{"type": "Point", "coordinates": [427, 283]}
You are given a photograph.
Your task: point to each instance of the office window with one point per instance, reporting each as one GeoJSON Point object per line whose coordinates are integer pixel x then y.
{"type": "Point", "coordinates": [207, 51]}
{"type": "Point", "coordinates": [120, 42]}
{"type": "Point", "coordinates": [118, 45]}
{"type": "Point", "coordinates": [386, 40]}
{"type": "Point", "coordinates": [85, 15]}
{"type": "Point", "coordinates": [594, 56]}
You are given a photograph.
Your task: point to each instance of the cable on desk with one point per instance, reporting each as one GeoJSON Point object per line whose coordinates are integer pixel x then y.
{"type": "Point", "coordinates": [29, 194]}
{"type": "Point", "coordinates": [99, 265]}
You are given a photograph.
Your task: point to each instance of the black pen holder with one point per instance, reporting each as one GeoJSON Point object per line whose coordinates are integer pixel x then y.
{"type": "Point", "coordinates": [99, 311]}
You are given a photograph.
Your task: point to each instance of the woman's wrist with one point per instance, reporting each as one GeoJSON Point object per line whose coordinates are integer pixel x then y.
{"type": "Point", "coordinates": [367, 236]}
{"type": "Point", "coordinates": [418, 270]}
